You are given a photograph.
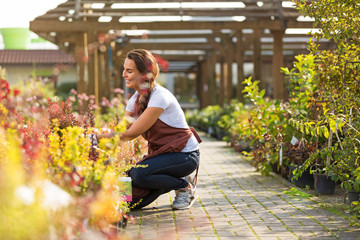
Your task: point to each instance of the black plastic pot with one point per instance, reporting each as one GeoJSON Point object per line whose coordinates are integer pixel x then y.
{"type": "Point", "coordinates": [353, 196]}
{"type": "Point", "coordinates": [324, 184]}
{"type": "Point", "coordinates": [306, 178]}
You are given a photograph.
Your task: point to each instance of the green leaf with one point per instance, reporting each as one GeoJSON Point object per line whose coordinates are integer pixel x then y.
{"type": "Point", "coordinates": [325, 131]}
{"type": "Point", "coordinates": [262, 93]}
{"type": "Point", "coordinates": [332, 125]}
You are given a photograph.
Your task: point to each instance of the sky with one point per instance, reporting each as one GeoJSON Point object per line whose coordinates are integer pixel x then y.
{"type": "Point", "coordinates": [18, 13]}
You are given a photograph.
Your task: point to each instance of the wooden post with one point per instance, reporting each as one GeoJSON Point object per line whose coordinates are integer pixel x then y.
{"type": "Point", "coordinates": [257, 57]}
{"type": "Point", "coordinates": [204, 85]}
{"type": "Point", "coordinates": [81, 53]}
{"type": "Point", "coordinates": [117, 66]}
{"type": "Point", "coordinates": [222, 83]}
{"type": "Point", "coordinates": [212, 96]}
{"type": "Point", "coordinates": [229, 89]}
{"type": "Point", "coordinates": [199, 86]}
{"type": "Point", "coordinates": [224, 76]}
{"type": "Point", "coordinates": [102, 79]}
{"type": "Point", "coordinates": [226, 82]}
{"type": "Point", "coordinates": [96, 76]}
{"type": "Point", "coordinates": [228, 52]}
{"type": "Point", "coordinates": [278, 62]}
{"type": "Point", "coordinates": [91, 62]}
{"type": "Point", "coordinates": [240, 66]}
{"type": "Point", "coordinates": [107, 89]}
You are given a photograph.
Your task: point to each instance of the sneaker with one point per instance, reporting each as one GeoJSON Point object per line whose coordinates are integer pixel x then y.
{"type": "Point", "coordinates": [185, 198]}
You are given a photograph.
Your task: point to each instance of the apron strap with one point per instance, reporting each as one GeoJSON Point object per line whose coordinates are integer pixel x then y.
{"type": "Point", "coordinates": [199, 140]}
{"type": "Point", "coordinates": [195, 134]}
{"type": "Point", "coordinates": [196, 176]}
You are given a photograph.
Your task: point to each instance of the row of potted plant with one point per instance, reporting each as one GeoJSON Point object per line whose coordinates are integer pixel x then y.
{"type": "Point", "coordinates": [337, 96]}
{"type": "Point", "coordinates": [316, 130]}
{"type": "Point", "coordinates": [307, 131]}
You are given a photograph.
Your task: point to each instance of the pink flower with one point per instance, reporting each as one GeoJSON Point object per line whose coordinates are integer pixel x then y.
{"type": "Point", "coordinates": [105, 102]}
{"type": "Point", "coordinates": [118, 90]}
{"type": "Point", "coordinates": [115, 101]}
{"type": "Point", "coordinates": [73, 91]}
{"type": "Point", "coordinates": [72, 99]}
{"type": "Point", "coordinates": [83, 96]}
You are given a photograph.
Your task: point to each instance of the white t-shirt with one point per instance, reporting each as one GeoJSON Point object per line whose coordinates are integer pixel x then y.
{"type": "Point", "coordinates": [172, 115]}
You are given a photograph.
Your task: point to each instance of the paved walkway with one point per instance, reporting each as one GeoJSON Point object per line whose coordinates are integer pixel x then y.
{"type": "Point", "coordinates": [235, 202]}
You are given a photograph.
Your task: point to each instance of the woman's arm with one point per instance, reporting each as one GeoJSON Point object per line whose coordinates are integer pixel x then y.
{"type": "Point", "coordinates": [141, 125]}
{"type": "Point", "coordinates": [112, 134]}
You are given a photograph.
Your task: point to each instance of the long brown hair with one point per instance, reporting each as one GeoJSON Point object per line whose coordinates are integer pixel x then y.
{"type": "Point", "coordinates": [146, 64]}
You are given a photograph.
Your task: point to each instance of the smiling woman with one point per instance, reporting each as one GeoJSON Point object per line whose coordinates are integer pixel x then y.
{"type": "Point", "coordinates": [173, 147]}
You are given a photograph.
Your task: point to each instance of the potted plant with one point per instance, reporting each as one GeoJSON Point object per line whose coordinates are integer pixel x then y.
{"type": "Point", "coordinates": [297, 153]}
{"type": "Point", "coordinates": [266, 121]}
{"type": "Point", "coordinates": [346, 159]}
{"type": "Point", "coordinates": [302, 116]}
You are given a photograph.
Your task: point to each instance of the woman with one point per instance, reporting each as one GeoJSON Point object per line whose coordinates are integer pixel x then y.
{"type": "Point", "coordinates": [173, 147]}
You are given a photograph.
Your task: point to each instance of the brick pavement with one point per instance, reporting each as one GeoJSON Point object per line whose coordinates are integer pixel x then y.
{"type": "Point", "coordinates": [235, 202]}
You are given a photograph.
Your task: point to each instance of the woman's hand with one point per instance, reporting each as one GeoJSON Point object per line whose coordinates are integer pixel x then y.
{"type": "Point", "coordinates": [105, 135]}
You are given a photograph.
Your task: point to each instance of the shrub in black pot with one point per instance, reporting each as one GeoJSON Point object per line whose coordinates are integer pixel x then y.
{"type": "Point", "coordinates": [324, 184]}
{"type": "Point", "coordinates": [306, 178]}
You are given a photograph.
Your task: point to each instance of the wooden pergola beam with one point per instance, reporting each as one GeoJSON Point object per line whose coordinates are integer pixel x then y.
{"type": "Point", "coordinates": [171, 46]}
{"type": "Point", "coordinates": [191, 35]}
{"type": "Point", "coordinates": [80, 26]}
{"type": "Point", "coordinates": [246, 12]}
{"type": "Point", "coordinates": [71, 2]}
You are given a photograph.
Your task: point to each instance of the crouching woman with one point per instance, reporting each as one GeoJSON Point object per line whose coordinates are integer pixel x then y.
{"type": "Point", "coordinates": [173, 147]}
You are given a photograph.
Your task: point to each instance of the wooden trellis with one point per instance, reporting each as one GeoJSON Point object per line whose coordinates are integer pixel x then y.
{"type": "Point", "coordinates": [178, 31]}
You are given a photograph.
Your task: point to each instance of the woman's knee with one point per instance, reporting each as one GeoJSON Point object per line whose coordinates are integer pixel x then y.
{"type": "Point", "coordinates": [137, 176]}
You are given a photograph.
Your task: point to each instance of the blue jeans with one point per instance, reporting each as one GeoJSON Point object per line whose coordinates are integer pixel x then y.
{"type": "Point", "coordinates": [162, 173]}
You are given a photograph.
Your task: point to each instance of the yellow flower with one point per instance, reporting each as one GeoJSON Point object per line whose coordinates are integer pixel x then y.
{"type": "Point", "coordinates": [3, 110]}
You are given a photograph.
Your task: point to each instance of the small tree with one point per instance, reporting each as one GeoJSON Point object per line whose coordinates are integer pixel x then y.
{"type": "Point", "coordinates": [338, 20]}
{"type": "Point", "coordinates": [338, 79]}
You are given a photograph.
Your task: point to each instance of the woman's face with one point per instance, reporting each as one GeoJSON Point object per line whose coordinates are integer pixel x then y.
{"type": "Point", "coordinates": [132, 75]}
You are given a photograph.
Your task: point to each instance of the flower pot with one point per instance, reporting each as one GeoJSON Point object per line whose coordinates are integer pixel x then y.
{"type": "Point", "coordinates": [324, 184]}
{"type": "Point", "coordinates": [306, 179]}
{"type": "Point", "coordinates": [16, 38]}
{"type": "Point", "coordinates": [353, 196]}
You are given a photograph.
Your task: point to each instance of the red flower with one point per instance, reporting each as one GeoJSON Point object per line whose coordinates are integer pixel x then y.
{"type": "Point", "coordinates": [101, 38]}
{"type": "Point", "coordinates": [163, 64]}
{"type": "Point", "coordinates": [16, 92]}
{"type": "Point", "coordinates": [4, 89]}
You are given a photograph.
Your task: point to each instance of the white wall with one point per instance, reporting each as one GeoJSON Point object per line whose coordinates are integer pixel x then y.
{"type": "Point", "coordinates": [18, 73]}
